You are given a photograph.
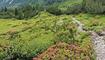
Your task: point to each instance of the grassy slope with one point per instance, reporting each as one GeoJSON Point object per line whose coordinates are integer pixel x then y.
{"type": "Point", "coordinates": [92, 22]}
{"type": "Point", "coordinates": [25, 39]}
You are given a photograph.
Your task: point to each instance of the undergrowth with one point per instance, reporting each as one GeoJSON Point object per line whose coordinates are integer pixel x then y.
{"type": "Point", "coordinates": [25, 39]}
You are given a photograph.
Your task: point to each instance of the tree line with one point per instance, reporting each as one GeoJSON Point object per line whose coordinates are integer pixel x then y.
{"type": "Point", "coordinates": [56, 7]}
{"type": "Point", "coordinates": [94, 6]}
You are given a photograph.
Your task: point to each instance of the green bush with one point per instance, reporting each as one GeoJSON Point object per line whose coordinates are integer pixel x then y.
{"type": "Point", "coordinates": [54, 10]}
{"type": "Point", "coordinates": [94, 6]}
{"type": "Point", "coordinates": [73, 9]}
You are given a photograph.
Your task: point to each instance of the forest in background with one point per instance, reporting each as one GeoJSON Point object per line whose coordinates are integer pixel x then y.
{"type": "Point", "coordinates": [56, 7]}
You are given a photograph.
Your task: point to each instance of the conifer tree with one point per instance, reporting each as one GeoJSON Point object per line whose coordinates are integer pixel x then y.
{"type": "Point", "coordinates": [94, 6]}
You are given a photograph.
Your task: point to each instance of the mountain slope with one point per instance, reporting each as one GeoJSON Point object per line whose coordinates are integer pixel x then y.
{"type": "Point", "coordinates": [12, 3]}
{"type": "Point", "coordinates": [18, 3]}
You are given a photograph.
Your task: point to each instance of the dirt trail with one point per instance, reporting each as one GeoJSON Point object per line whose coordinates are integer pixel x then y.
{"type": "Point", "coordinates": [97, 40]}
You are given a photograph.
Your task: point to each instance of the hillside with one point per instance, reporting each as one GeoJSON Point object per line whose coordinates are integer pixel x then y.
{"type": "Point", "coordinates": [25, 9]}
{"type": "Point", "coordinates": [19, 3]}
{"type": "Point", "coordinates": [24, 39]}
{"type": "Point", "coordinates": [52, 30]}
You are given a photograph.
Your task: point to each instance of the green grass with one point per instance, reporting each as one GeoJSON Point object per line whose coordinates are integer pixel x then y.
{"type": "Point", "coordinates": [92, 22]}
{"type": "Point", "coordinates": [24, 39]}
{"type": "Point", "coordinates": [33, 37]}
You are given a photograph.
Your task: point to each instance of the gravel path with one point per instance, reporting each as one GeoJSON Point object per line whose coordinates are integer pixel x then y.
{"type": "Point", "coordinates": [98, 41]}
{"type": "Point", "coordinates": [99, 45]}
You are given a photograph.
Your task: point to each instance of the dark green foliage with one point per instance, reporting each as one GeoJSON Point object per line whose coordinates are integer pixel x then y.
{"type": "Point", "coordinates": [19, 13]}
{"type": "Point", "coordinates": [54, 10]}
{"type": "Point", "coordinates": [56, 7]}
{"type": "Point", "coordinates": [73, 9]}
{"type": "Point", "coordinates": [51, 6]}
{"type": "Point", "coordinates": [94, 6]}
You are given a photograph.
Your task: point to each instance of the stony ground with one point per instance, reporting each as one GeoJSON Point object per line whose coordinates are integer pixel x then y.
{"type": "Point", "coordinates": [99, 45]}
{"type": "Point", "coordinates": [98, 40]}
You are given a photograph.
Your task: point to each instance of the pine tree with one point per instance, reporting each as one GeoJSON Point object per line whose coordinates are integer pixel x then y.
{"type": "Point", "coordinates": [94, 6]}
{"type": "Point", "coordinates": [16, 12]}
{"type": "Point", "coordinates": [5, 9]}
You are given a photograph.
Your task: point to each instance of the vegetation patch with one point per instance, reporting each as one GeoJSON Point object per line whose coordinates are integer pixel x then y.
{"type": "Point", "coordinates": [64, 51]}
{"type": "Point", "coordinates": [29, 38]}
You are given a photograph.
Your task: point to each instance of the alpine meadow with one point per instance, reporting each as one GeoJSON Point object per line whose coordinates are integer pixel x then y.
{"type": "Point", "coordinates": [52, 29]}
